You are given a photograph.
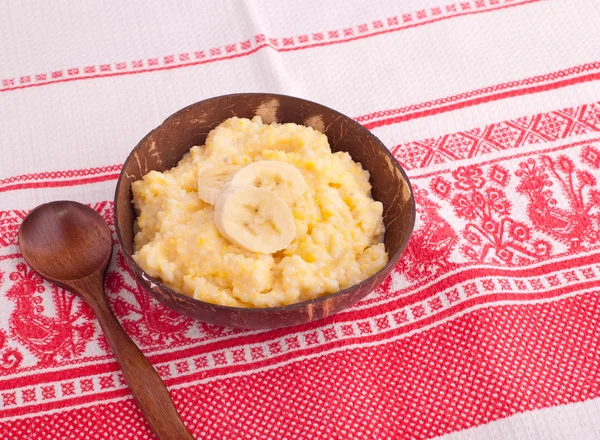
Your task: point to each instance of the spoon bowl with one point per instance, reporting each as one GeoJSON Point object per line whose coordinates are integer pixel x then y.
{"type": "Point", "coordinates": [56, 246]}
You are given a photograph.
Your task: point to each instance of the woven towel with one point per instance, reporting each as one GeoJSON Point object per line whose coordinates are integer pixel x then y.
{"type": "Point", "coordinates": [489, 328]}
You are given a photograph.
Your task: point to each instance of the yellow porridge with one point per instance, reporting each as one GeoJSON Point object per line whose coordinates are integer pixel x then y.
{"type": "Point", "coordinates": [263, 215]}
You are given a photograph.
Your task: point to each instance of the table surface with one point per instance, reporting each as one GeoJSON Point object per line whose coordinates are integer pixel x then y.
{"type": "Point", "coordinates": [488, 328]}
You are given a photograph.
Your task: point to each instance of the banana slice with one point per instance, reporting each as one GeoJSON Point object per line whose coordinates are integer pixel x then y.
{"type": "Point", "coordinates": [211, 180]}
{"type": "Point", "coordinates": [280, 177]}
{"type": "Point", "coordinates": [255, 218]}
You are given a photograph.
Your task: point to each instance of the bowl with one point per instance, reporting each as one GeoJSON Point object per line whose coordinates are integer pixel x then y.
{"type": "Point", "coordinates": [164, 146]}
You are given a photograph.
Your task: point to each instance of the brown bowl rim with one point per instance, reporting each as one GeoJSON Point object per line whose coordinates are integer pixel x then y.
{"type": "Point", "coordinates": [392, 262]}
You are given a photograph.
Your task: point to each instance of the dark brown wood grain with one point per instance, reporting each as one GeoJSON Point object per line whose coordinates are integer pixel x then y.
{"type": "Point", "coordinates": [164, 146]}
{"type": "Point", "coordinates": [70, 245]}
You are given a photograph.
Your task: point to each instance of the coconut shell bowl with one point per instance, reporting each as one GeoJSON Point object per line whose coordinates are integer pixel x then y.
{"type": "Point", "coordinates": [164, 146]}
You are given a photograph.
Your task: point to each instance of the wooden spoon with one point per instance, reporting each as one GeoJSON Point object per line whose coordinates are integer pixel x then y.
{"type": "Point", "coordinates": [70, 244]}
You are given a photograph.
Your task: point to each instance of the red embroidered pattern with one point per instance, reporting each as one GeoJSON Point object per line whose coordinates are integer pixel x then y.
{"type": "Point", "coordinates": [540, 128]}
{"type": "Point", "coordinates": [146, 320]}
{"type": "Point", "coordinates": [9, 227]}
{"type": "Point", "coordinates": [10, 358]}
{"type": "Point", "coordinates": [577, 223]}
{"type": "Point", "coordinates": [60, 174]}
{"type": "Point", "coordinates": [48, 337]}
{"type": "Point", "coordinates": [431, 244]}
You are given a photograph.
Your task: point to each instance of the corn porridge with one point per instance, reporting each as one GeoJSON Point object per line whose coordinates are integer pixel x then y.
{"type": "Point", "coordinates": [263, 215]}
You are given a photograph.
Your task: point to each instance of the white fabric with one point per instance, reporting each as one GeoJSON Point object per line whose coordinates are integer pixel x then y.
{"type": "Point", "coordinates": [110, 115]}
{"type": "Point", "coordinates": [96, 122]}
{"type": "Point", "coordinates": [578, 421]}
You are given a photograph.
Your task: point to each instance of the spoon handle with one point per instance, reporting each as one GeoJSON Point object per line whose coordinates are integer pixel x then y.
{"type": "Point", "coordinates": [148, 389]}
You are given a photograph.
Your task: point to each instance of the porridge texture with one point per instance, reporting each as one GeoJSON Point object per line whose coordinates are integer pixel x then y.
{"type": "Point", "coordinates": [262, 215]}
